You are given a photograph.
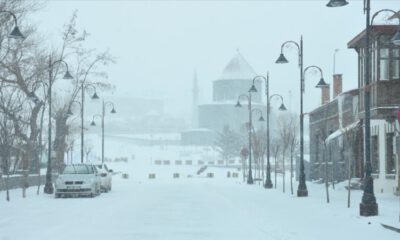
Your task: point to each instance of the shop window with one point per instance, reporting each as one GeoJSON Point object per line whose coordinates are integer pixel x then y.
{"type": "Point", "coordinates": [390, 157]}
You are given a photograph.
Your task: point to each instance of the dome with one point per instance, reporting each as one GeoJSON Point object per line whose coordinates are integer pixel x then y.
{"type": "Point", "coordinates": [238, 68]}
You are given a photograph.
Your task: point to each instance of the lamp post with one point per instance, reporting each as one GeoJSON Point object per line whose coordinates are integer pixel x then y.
{"type": "Point", "coordinates": [268, 182]}
{"type": "Point", "coordinates": [48, 187]}
{"type": "Point", "coordinates": [302, 188]}
{"type": "Point", "coordinates": [103, 114]}
{"type": "Point", "coordinates": [368, 205]}
{"type": "Point", "coordinates": [250, 175]}
{"type": "Point", "coordinates": [15, 33]}
{"type": "Point", "coordinates": [95, 96]}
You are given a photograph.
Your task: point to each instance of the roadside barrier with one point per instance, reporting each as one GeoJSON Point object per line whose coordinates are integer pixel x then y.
{"type": "Point", "coordinates": [152, 175]}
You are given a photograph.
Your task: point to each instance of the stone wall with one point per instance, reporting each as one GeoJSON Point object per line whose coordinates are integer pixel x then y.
{"type": "Point", "coordinates": [16, 181]}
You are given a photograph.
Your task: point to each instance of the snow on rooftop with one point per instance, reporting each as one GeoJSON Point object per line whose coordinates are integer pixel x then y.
{"type": "Point", "coordinates": [238, 68]}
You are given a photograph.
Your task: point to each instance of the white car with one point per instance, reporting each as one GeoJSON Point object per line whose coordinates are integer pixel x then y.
{"type": "Point", "coordinates": [105, 176]}
{"type": "Point", "coordinates": [78, 180]}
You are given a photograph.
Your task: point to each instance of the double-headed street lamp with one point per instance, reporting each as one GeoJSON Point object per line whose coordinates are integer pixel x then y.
{"type": "Point", "coordinates": [103, 114]}
{"type": "Point", "coordinates": [248, 97]}
{"type": "Point", "coordinates": [302, 188]}
{"type": "Point", "coordinates": [368, 205]}
{"type": "Point", "coordinates": [48, 187]}
{"type": "Point", "coordinates": [268, 182]}
{"type": "Point", "coordinates": [15, 33]}
{"type": "Point", "coordinates": [94, 97]}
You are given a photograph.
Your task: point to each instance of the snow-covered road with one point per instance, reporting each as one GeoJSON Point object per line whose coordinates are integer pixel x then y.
{"type": "Point", "coordinates": [191, 208]}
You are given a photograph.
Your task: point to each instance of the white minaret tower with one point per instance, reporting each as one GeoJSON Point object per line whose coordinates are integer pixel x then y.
{"type": "Point", "coordinates": [195, 101]}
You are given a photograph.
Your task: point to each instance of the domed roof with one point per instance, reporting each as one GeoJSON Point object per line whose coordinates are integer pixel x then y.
{"type": "Point", "coordinates": [238, 68]}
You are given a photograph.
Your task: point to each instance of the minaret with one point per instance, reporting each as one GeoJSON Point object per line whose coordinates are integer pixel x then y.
{"type": "Point", "coordinates": [195, 101]}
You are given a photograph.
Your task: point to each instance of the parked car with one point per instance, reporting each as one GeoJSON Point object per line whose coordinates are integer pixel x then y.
{"type": "Point", "coordinates": [105, 176]}
{"type": "Point", "coordinates": [78, 180]}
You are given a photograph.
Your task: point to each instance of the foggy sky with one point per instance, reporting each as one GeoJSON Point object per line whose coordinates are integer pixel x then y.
{"type": "Point", "coordinates": [159, 44]}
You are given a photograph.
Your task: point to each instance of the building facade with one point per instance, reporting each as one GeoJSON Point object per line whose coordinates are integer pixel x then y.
{"type": "Point", "coordinates": [336, 127]}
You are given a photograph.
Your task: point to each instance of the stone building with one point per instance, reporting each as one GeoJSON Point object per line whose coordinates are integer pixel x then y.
{"type": "Point", "coordinates": [235, 80]}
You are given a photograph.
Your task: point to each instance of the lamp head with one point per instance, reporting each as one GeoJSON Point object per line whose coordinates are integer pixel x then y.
{"type": "Point", "coordinates": [282, 107]}
{"type": "Point", "coordinates": [238, 104]}
{"type": "Point", "coordinates": [113, 110]}
{"type": "Point", "coordinates": [67, 75]}
{"type": "Point", "coordinates": [281, 59]}
{"type": "Point", "coordinates": [321, 84]}
{"type": "Point", "coordinates": [336, 3]}
{"type": "Point", "coordinates": [253, 88]}
{"type": "Point", "coordinates": [95, 96]}
{"type": "Point", "coordinates": [93, 123]}
{"type": "Point", "coordinates": [16, 34]}
{"type": "Point", "coordinates": [261, 119]}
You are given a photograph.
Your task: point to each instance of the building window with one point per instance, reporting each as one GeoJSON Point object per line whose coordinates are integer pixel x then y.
{"type": "Point", "coordinates": [390, 160]}
{"type": "Point", "coordinates": [396, 64]}
{"type": "Point", "coordinates": [388, 59]}
{"type": "Point", "coordinates": [384, 64]}
{"type": "Point", "coordinates": [374, 154]}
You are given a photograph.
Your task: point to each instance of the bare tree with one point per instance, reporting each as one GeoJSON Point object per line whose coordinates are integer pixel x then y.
{"type": "Point", "coordinates": [293, 144]}
{"type": "Point", "coordinates": [284, 126]}
{"type": "Point", "coordinates": [275, 147]}
{"type": "Point", "coordinates": [228, 144]}
{"type": "Point", "coordinates": [8, 138]}
{"type": "Point", "coordinates": [259, 144]}
{"type": "Point", "coordinates": [86, 61]}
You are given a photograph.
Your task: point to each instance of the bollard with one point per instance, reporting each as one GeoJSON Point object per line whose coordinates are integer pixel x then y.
{"type": "Point", "coordinates": [210, 175]}
{"type": "Point", "coordinates": [228, 174]}
{"type": "Point", "coordinates": [176, 175]}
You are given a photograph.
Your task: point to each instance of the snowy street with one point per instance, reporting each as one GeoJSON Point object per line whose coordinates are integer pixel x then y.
{"type": "Point", "coordinates": [192, 208]}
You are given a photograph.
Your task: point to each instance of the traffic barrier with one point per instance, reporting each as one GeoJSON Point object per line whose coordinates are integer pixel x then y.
{"type": "Point", "coordinates": [188, 162]}
{"type": "Point", "coordinates": [152, 175]}
{"type": "Point", "coordinates": [167, 162]}
{"type": "Point", "coordinates": [178, 162]}
{"type": "Point", "coordinates": [176, 175]}
{"type": "Point", "coordinates": [235, 175]}
{"type": "Point", "coordinates": [210, 175]}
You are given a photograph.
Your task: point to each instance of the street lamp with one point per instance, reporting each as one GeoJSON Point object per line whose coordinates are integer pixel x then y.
{"type": "Point", "coordinates": [248, 97]}
{"type": "Point", "coordinates": [94, 97]}
{"type": "Point", "coordinates": [302, 188]}
{"type": "Point", "coordinates": [105, 104]}
{"type": "Point", "coordinates": [15, 33]}
{"type": "Point", "coordinates": [368, 205]}
{"type": "Point", "coordinates": [48, 187]}
{"type": "Point", "coordinates": [268, 182]}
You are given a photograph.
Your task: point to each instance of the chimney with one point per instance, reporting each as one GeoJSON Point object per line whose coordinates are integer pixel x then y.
{"type": "Point", "coordinates": [337, 84]}
{"type": "Point", "coordinates": [325, 97]}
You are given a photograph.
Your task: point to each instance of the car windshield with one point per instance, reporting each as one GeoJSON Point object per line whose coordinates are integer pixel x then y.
{"type": "Point", "coordinates": [78, 169]}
